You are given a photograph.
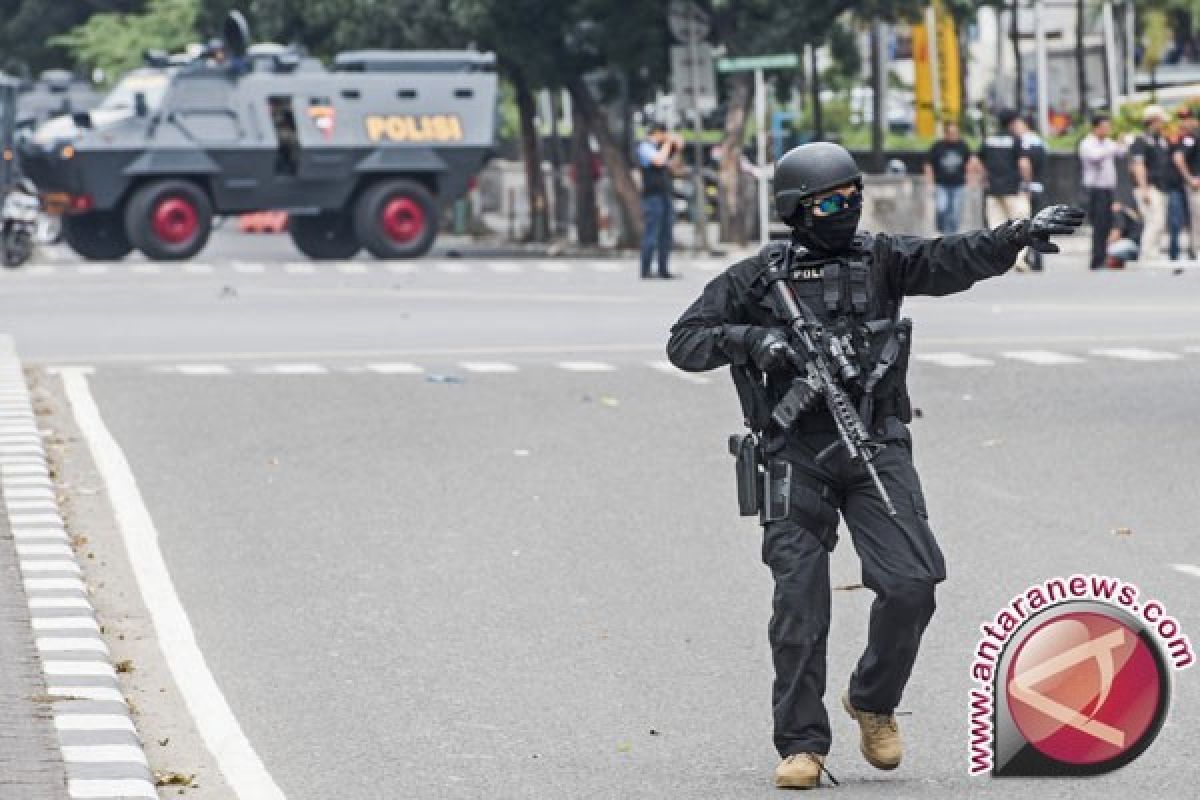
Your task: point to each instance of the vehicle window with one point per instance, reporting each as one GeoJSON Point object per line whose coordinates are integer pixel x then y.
{"type": "Point", "coordinates": [153, 85]}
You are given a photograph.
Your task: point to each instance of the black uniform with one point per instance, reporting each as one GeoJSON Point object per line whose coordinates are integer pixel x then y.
{"type": "Point", "coordinates": [855, 292]}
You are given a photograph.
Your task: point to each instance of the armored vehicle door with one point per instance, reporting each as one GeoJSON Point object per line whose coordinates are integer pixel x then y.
{"type": "Point", "coordinates": [8, 122]}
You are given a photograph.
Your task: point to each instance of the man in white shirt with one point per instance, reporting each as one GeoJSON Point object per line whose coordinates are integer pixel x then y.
{"type": "Point", "coordinates": [1098, 157]}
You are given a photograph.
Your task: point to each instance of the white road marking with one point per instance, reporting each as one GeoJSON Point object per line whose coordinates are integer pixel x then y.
{"type": "Point", "coordinates": [300, 268]}
{"type": "Point", "coordinates": [79, 669]}
{"type": "Point", "coordinates": [235, 756]}
{"type": "Point", "coordinates": [292, 369]}
{"type": "Point", "coordinates": [351, 268]}
{"type": "Point", "coordinates": [671, 369]}
{"type": "Point", "coordinates": [586, 366]}
{"type": "Point", "coordinates": [40, 533]}
{"type": "Point", "coordinates": [608, 266]}
{"type": "Point", "coordinates": [1042, 357]}
{"type": "Point", "coordinates": [249, 267]}
{"type": "Point", "coordinates": [71, 644]}
{"type": "Point", "coordinates": [87, 693]}
{"type": "Point", "coordinates": [146, 268]}
{"type": "Point", "coordinates": [101, 753]}
{"type": "Point", "coordinates": [50, 566]}
{"type": "Point", "coordinates": [41, 269]}
{"type": "Point", "coordinates": [1188, 569]}
{"type": "Point", "coordinates": [708, 266]}
{"type": "Point", "coordinates": [1136, 354]}
{"type": "Point", "coordinates": [506, 267]}
{"type": "Point", "coordinates": [28, 494]}
{"type": "Point", "coordinates": [197, 268]}
{"type": "Point", "coordinates": [64, 624]}
{"type": "Point", "coordinates": [109, 789]}
{"type": "Point", "coordinates": [25, 550]}
{"type": "Point", "coordinates": [553, 266]}
{"type": "Point", "coordinates": [401, 267]}
{"type": "Point", "coordinates": [93, 722]}
{"type": "Point", "coordinates": [453, 267]}
{"type": "Point", "coordinates": [487, 366]}
{"type": "Point", "coordinates": [55, 585]}
{"type": "Point", "coordinates": [48, 603]}
{"type": "Point", "coordinates": [201, 369]}
{"type": "Point", "coordinates": [953, 360]}
{"type": "Point", "coordinates": [395, 369]}
{"type": "Point", "coordinates": [92, 269]}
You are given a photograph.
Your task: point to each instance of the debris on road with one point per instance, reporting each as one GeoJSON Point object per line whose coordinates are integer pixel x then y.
{"type": "Point", "coordinates": [434, 377]}
{"type": "Point", "coordinates": [1123, 531]}
{"type": "Point", "coordinates": [167, 778]}
{"type": "Point", "coordinates": [848, 587]}
{"type": "Point", "coordinates": [991, 442]}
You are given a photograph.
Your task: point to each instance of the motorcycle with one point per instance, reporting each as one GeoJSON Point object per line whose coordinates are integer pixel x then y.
{"type": "Point", "coordinates": [18, 224]}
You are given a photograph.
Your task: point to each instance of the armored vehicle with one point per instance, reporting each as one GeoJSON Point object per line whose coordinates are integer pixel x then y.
{"type": "Point", "coordinates": [358, 156]}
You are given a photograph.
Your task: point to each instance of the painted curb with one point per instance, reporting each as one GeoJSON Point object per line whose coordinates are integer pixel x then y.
{"type": "Point", "coordinates": [100, 746]}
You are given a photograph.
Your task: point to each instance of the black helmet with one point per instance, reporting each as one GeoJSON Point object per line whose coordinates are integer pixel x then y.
{"type": "Point", "coordinates": [810, 169]}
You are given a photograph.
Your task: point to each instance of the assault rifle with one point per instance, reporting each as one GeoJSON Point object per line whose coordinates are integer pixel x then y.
{"type": "Point", "coordinates": [817, 357]}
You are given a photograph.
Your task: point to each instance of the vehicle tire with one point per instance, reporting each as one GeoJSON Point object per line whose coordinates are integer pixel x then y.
{"type": "Point", "coordinates": [325, 236]}
{"type": "Point", "coordinates": [96, 235]}
{"type": "Point", "coordinates": [396, 219]}
{"type": "Point", "coordinates": [169, 220]}
{"type": "Point", "coordinates": [18, 247]}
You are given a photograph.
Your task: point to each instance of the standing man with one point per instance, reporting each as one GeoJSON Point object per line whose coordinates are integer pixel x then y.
{"type": "Point", "coordinates": [1147, 167]}
{"type": "Point", "coordinates": [658, 211]}
{"type": "Point", "coordinates": [1098, 157]}
{"type": "Point", "coordinates": [946, 169]}
{"type": "Point", "coordinates": [1009, 172]}
{"type": "Point", "coordinates": [1034, 148]}
{"type": "Point", "coordinates": [848, 288]}
{"type": "Point", "coordinates": [1181, 180]}
{"type": "Point", "coordinates": [1191, 128]}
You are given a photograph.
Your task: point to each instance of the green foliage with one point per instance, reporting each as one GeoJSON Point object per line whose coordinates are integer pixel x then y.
{"type": "Point", "coordinates": [115, 42]}
{"type": "Point", "coordinates": [26, 25]}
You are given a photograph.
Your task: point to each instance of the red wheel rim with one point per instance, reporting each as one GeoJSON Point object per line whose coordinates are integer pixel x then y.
{"type": "Point", "coordinates": [175, 220]}
{"type": "Point", "coordinates": [403, 219]}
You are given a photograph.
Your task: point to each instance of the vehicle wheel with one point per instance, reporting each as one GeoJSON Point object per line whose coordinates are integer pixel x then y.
{"type": "Point", "coordinates": [329, 235]}
{"type": "Point", "coordinates": [169, 220]}
{"type": "Point", "coordinates": [96, 235]}
{"type": "Point", "coordinates": [18, 247]}
{"type": "Point", "coordinates": [396, 219]}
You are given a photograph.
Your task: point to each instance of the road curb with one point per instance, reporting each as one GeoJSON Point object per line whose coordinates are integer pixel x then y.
{"type": "Point", "coordinates": [100, 747]}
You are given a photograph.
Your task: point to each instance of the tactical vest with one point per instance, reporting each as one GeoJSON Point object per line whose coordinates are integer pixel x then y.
{"type": "Point", "coordinates": [841, 292]}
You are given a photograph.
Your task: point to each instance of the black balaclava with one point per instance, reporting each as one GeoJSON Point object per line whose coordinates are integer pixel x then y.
{"type": "Point", "coordinates": [831, 234]}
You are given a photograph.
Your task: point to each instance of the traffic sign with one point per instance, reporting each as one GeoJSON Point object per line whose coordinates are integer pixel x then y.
{"type": "Point", "coordinates": [778, 61]}
{"type": "Point", "coordinates": [693, 80]}
{"type": "Point", "coordinates": [687, 20]}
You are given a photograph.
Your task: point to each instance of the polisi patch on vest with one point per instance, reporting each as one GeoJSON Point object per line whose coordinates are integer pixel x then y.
{"type": "Point", "coordinates": [414, 128]}
{"type": "Point", "coordinates": [807, 273]}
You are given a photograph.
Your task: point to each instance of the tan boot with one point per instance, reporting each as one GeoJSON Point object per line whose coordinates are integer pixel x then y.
{"type": "Point", "coordinates": [880, 736]}
{"type": "Point", "coordinates": [799, 771]}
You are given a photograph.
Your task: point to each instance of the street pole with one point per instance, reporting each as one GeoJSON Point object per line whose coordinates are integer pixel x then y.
{"type": "Point", "coordinates": [1110, 57]}
{"type": "Point", "coordinates": [760, 114]}
{"type": "Point", "coordinates": [931, 27]}
{"type": "Point", "coordinates": [1130, 49]}
{"type": "Point", "coordinates": [699, 212]}
{"type": "Point", "coordinates": [1039, 43]}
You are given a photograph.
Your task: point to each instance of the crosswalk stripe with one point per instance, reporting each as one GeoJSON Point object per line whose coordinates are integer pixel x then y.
{"type": "Point", "coordinates": [953, 360]}
{"type": "Point", "coordinates": [300, 268]}
{"type": "Point", "coordinates": [553, 266]}
{"type": "Point", "coordinates": [487, 366]}
{"type": "Point", "coordinates": [1042, 357]}
{"type": "Point", "coordinates": [670, 369]}
{"type": "Point", "coordinates": [197, 268]}
{"type": "Point", "coordinates": [506, 267]}
{"type": "Point", "coordinates": [351, 268]}
{"type": "Point", "coordinates": [586, 366]}
{"type": "Point", "coordinates": [395, 369]}
{"type": "Point", "coordinates": [149, 268]}
{"type": "Point", "coordinates": [249, 267]}
{"type": "Point", "coordinates": [202, 369]}
{"type": "Point", "coordinates": [609, 266]}
{"type": "Point", "coordinates": [92, 269]}
{"type": "Point", "coordinates": [1188, 569]}
{"type": "Point", "coordinates": [453, 268]}
{"type": "Point", "coordinates": [1135, 354]}
{"type": "Point", "coordinates": [402, 267]}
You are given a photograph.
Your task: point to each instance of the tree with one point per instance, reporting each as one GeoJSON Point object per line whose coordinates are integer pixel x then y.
{"type": "Point", "coordinates": [115, 42]}
{"type": "Point", "coordinates": [26, 25]}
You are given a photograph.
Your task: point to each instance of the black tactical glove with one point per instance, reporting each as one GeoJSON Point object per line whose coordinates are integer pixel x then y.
{"type": "Point", "coordinates": [766, 347]}
{"type": "Point", "coordinates": [1036, 231]}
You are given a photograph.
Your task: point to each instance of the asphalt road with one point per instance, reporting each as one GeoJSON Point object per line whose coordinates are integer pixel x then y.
{"type": "Point", "coordinates": [415, 573]}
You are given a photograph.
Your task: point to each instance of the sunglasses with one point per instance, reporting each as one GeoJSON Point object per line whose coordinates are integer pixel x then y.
{"type": "Point", "coordinates": [838, 202]}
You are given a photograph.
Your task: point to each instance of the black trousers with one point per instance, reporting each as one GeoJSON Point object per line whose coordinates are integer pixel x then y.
{"type": "Point", "coordinates": [901, 564]}
{"type": "Point", "coordinates": [1100, 215]}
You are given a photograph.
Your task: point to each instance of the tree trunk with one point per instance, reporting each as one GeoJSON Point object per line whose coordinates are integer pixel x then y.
{"type": "Point", "coordinates": [1081, 60]}
{"type": "Point", "coordinates": [586, 227]}
{"type": "Point", "coordinates": [1014, 32]}
{"type": "Point", "coordinates": [615, 160]}
{"type": "Point", "coordinates": [731, 209]}
{"type": "Point", "coordinates": [531, 153]}
{"type": "Point", "coordinates": [814, 85]}
{"type": "Point", "coordinates": [878, 85]}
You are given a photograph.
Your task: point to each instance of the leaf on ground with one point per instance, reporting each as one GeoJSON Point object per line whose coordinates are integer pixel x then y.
{"type": "Point", "coordinates": [1123, 531]}
{"type": "Point", "coordinates": [166, 778]}
{"type": "Point", "coordinates": [848, 587]}
{"type": "Point", "coordinates": [624, 747]}
{"type": "Point", "coordinates": [609, 400]}
{"type": "Point", "coordinates": [124, 666]}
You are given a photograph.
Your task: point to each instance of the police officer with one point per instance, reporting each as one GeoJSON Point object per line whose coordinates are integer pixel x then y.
{"type": "Point", "coordinates": [853, 283]}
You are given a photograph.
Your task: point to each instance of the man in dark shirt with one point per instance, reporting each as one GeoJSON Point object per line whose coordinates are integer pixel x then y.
{"type": "Point", "coordinates": [1009, 172]}
{"type": "Point", "coordinates": [946, 168]}
{"type": "Point", "coordinates": [1148, 166]}
{"type": "Point", "coordinates": [658, 213]}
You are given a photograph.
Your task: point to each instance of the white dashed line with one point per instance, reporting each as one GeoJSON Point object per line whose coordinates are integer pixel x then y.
{"type": "Point", "coordinates": [48, 603]}
{"type": "Point", "coordinates": [586, 366]}
{"type": "Point", "coordinates": [93, 722]}
{"type": "Point", "coordinates": [487, 366]}
{"type": "Point", "coordinates": [395, 369]}
{"type": "Point", "coordinates": [92, 269]}
{"type": "Point", "coordinates": [146, 269]}
{"type": "Point", "coordinates": [1042, 357]}
{"type": "Point", "coordinates": [102, 693]}
{"type": "Point", "coordinates": [453, 268]}
{"type": "Point", "coordinates": [506, 267]}
{"type": "Point", "coordinates": [609, 266]}
{"type": "Point", "coordinates": [197, 268]}
{"type": "Point", "coordinates": [292, 369]}
{"type": "Point", "coordinates": [41, 269]}
{"type": "Point", "coordinates": [249, 267]}
{"type": "Point", "coordinates": [1135, 354]}
{"type": "Point", "coordinates": [402, 267]}
{"type": "Point", "coordinates": [79, 669]}
{"type": "Point", "coordinates": [102, 753]}
{"type": "Point", "coordinates": [201, 369]}
{"type": "Point", "coordinates": [1188, 569]}
{"type": "Point", "coordinates": [351, 268]}
{"type": "Point", "coordinates": [65, 624]}
{"type": "Point", "coordinates": [708, 266]}
{"type": "Point", "coordinates": [553, 266]}
{"type": "Point", "coordinates": [106, 789]}
{"type": "Point", "coordinates": [64, 644]}
{"type": "Point", "coordinates": [300, 268]}
{"type": "Point", "coordinates": [671, 369]}
{"type": "Point", "coordinates": [953, 360]}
